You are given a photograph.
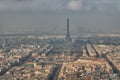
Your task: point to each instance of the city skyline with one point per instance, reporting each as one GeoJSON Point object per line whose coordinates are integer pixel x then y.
{"type": "Point", "coordinates": [59, 40]}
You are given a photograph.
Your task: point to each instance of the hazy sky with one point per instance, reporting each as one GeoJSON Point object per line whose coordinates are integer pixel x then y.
{"type": "Point", "coordinates": [49, 16]}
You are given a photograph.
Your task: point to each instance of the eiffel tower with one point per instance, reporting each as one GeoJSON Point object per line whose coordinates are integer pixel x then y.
{"type": "Point", "coordinates": [68, 38]}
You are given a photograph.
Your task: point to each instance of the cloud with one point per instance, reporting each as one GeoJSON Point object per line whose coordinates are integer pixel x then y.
{"type": "Point", "coordinates": [30, 4]}
{"type": "Point", "coordinates": [75, 5]}
{"type": "Point", "coordinates": [107, 5]}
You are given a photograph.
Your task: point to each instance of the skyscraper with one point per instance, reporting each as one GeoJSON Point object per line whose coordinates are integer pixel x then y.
{"type": "Point", "coordinates": [68, 38]}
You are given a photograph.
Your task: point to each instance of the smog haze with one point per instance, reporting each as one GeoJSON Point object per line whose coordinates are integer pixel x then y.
{"type": "Point", "coordinates": [49, 16]}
